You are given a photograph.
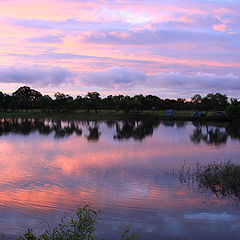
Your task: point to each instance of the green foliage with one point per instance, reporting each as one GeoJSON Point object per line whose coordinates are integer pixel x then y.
{"type": "Point", "coordinates": [80, 227]}
{"type": "Point", "coordinates": [233, 111]}
{"type": "Point", "coordinates": [93, 100]}
{"type": "Point", "coordinates": [27, 98]}
{"type": "Point", "coordinates": [215, 101]}
{"type": "Point", "coordinates": [127, 235]}
{"type": "Point", "coordinates": [44, 102]}
{"type": "Point", "coordinates": [63, 102]}
{"type": "Point", "coordinates": [196, 99]}
{"type": "Point", "coordinates": [29, 235]}
{"type": "Point", "coordinates": [127, 104]}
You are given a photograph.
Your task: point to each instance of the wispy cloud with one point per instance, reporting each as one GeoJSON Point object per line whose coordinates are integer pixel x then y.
{"type": "Point", "coordinates": [120, 77]}
{"type": "Point", "coordinates": [114, 77]}
{"type": "Point", "coordinates": [191, 42]}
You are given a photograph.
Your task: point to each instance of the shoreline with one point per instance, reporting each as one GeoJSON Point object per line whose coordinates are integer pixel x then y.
{"type": "Point", "coordinates": [109, 115]}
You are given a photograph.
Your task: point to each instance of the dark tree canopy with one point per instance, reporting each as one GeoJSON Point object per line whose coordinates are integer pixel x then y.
{"type": "Point", "coordinates": [27, 98]}
{"type": "Point", "coordinates": [93, 100]}
{"type": "Point", "coordinates": [28, 94]}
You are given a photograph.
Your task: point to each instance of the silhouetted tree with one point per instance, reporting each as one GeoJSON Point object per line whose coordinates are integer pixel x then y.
{"type": "Point", "coordinates": [215, 101]}
{"type": "Point", "coordinates": [63, 102]}
{"type": "Point", "coordinates": [127, 104]}
{"type": "Point", "coordinates": [79, 102]}
{"type": "Point", "coordinates": [93, 100]}
{"type": "Point", "coordinates": [44, 102]}
{"type": "Point", "coordinates": [1, 100]}
{"type": "Point", "coordinates": [152, 102]}
{"type": "Point", "coordinates": [108, 103]}
{"type": "Point", "coordinates": [27, 97]}
{"type": "Point", "coordinates": [233, 111]}
{"type": "Point", "coordinates": [118, 101]}
{"type": "Point", "coordinates": [196, 99]}
{"type": "Point", "coordinates": [139, 102]}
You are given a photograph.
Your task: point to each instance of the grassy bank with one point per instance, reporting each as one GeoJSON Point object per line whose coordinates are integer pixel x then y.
{"type": "Point", "coordinates": [76, 115]}
{"type": "Point", "coordinates": [112, 115]}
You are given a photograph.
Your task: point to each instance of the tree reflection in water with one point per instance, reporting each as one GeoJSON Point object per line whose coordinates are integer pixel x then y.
{"type": "Point", "coordinates": [26, 126]}
{"type": "Point", "coordinates": [67, 130]}
{"type": "Point", "coordinates": [212, 134]}
{"type": "Point", "coordinates": [209, 135]}
{"type": "Point", "coordinates": [94, 133]}
{"type": "Point", "coordinates": [233, 130]}
{"type": "Point", "coordinates": [137, 130]}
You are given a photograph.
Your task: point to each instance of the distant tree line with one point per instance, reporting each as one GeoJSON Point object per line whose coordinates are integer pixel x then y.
{"type": "Point", "coordinates": [26, 98]}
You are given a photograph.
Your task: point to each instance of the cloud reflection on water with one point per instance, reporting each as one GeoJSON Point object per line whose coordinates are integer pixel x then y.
{"type": "Point", "coordinates": [45, 176]}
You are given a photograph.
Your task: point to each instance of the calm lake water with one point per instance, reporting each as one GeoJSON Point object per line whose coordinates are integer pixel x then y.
{"type": "Point", "coordinates": [127, 169]}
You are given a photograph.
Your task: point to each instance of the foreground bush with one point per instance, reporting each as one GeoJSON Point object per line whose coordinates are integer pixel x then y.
{"type": "Point", "coordinates": [80, 227]}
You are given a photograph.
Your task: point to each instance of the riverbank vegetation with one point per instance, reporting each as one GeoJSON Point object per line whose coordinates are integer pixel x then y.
{"type": "Point", "coordinates": [80, 227]}
{"type": "Point", "coordinates": [222, 179]}
{"type": "Point", "coordinates": [26, 100]}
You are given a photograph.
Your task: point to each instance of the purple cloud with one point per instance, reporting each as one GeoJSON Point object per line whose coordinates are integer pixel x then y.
{"type": "Point", "coordinates": [125, 78]}
{"type": "Point", "coordinates": [174, 45]}
{"type": "Point", "coordinates": [46, 39]}
{"type": "Point", "coordinates": [36, 75]}
{"type": "Point", "coordinates": [71, 25]}
{"type": "Point", "coordinates": [202, 81]}
{"type": "Point", "coordinates": [114, 77]}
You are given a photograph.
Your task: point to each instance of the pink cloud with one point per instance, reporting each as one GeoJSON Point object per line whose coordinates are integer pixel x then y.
{"type": "Point", "coordinates": [150, 37]}
{"type": "Point", "coordinates": [220, 27]}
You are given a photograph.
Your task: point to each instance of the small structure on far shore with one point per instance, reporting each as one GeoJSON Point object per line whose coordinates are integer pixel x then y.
{"type": "Point", "coordinates": [168, 113]}
{"type": "Point", "coordinates": [219, 113]}
{"type": "Point", "coordinates": [197, 114]}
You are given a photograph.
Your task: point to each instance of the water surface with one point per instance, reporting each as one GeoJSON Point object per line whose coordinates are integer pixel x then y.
{"type": "Point", "coordinates": [127, 169]}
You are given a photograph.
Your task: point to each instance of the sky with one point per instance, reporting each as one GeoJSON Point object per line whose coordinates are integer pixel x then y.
{"type": "Point", "coordinates": [170, 48]}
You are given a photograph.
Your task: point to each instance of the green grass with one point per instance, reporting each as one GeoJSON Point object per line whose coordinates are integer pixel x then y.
{"type": "Point", "coordinates": [78, 115]}
{"type": "Point", "coordinates": [110, 115]}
